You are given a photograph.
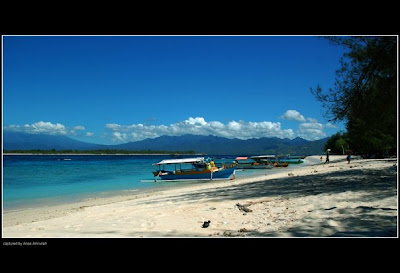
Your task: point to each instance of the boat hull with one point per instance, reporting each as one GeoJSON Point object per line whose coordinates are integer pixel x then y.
{"type": "Point", "coordinates": [204, 175]}
{"type": "Point", "coordinates": [289, 161]}
{"type": "Point", "coordinates": [281, 164]}
{"type": "Point", "coordinates": [292, 161]}
{"type": "Point", "coordinates": [253, 166]}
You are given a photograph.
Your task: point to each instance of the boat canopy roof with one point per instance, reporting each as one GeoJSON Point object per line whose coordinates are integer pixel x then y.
{"type": "Point", "coordinates": [180, 161]}
{"type": "Point", "coordinates": [263, 156]}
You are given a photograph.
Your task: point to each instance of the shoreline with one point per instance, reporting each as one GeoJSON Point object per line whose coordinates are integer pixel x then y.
{"type": "Point", "coordinates": [109, 196]}
{"type": "Point", "coordinates": [54, 201]}
{"type": "Point", "coordinates": [312, 201]}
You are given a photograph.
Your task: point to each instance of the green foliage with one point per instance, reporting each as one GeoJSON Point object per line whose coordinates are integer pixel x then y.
{"type": "Point", "coordinates": [365, 93]}
{"type": "Point", "coordinates": [338, 143]}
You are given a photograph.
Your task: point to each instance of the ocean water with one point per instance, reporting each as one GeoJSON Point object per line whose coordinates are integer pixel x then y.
{"type": "Point", "coordinates": [31, 180]}
{"type": "Point", "coordinates": [42, 180]}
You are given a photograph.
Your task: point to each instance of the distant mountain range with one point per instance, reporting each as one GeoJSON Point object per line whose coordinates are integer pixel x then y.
{"type": "Point", "coordinates": [199, 144]}
{"type": "Point", "coordinates": [24, 141]}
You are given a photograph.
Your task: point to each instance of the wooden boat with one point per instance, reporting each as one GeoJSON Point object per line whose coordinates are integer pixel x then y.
{"type": "Point", "coordinates": [271, 159]}
{"type": "Point", "coordinates": [291, 159]}
{"type": "Point", "coordinates": [280, 159]}
{"type": "Point", "coordinates": [191, 169]}
{"type": "Point", "coordinates": [249, 163]}
{"type": "Point", "coordinates": [281, 164]}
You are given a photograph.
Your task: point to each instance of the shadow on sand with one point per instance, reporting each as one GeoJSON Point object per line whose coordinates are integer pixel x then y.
{"type": "Point", "coordinates": [364, 221]}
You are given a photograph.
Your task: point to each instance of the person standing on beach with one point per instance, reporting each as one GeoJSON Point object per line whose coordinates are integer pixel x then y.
{"type": "Point", "coordinates": [327, 156]}
{"type": "Point", "coordinates": [349, 152]}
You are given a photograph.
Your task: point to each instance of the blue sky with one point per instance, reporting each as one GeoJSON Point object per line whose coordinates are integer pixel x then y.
{"type": "Point", "coordinates": [116, 89]}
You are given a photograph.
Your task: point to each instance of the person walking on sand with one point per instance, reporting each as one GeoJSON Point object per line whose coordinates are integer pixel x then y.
{"type": "Point", "coordinates": [348, 158]}
{"type": "Point", "coordinates": [327, 156]}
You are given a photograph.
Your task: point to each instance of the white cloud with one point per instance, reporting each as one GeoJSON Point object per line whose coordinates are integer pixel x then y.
{"type": "Point", "coordinates": [309, 128]}
{"type": "Point", "coordinates": [235, 126]}
{"type": "Point", "coordinates": [43, 127]}
{"type": "Point", "coordinates": [312, 120]}
{"type": "Point", "coordinates": [311, 131]}
{"type": "Point", "coordinates": [40, 127]}
{"type": "Point", "coordinates": [196, 121]}
{"type": "Point", "coordinates": [293, 115]}
{"type": "Point", "coordinates": [79, 128]}
{"type": "Point", "coordinates": [330, 125]}
{"type": "Point", "coordinates": [113, 126]}
{"type": "Point", "coordinates": [199, 126]}
{"type": "Point", "coordinates": [117, 136]}
{"type": "Point", "coordinates": [76, 128]}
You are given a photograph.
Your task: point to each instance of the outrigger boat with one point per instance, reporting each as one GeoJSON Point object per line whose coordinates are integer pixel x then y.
{"type": "Point", "coordinates": [291, 159]}
{"type": "Point", "coordinates": [192, 169]}
{"type": "Point", "coordinates": [271, 159]}
{"type": "Point", "coordinates": [243, 162]}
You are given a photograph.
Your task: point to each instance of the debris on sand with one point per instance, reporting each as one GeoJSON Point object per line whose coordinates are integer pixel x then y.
{"type": "Point", "coordinates": [243, 208]}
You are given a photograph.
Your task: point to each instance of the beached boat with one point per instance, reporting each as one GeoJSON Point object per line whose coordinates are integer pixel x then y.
{"type": "Point", "coordinates": [291, 159]}
{"type": "Point", "coordinates": [281, 159]}
{"type": "Point", "coordinates": [271, 159]}
{"type": "Point", "coordinates": [281, 164]}
{"type": "Point", "coordinates": [197, 168]}
{"type": "Point", "coordinates": [249, 163]}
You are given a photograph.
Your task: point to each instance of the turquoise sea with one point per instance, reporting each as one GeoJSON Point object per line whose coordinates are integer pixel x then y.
{"type": "Point", "coordinates": [42, 180]}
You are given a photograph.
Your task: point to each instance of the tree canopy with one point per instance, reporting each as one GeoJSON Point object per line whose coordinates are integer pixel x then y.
{"type": "Point", "coordinates": [365, 93]}
{"type": "Point", "coordinates": [338, 143]}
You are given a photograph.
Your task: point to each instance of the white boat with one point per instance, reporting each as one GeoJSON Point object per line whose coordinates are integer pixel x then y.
{"type": "Point", "coordinates": [250, 163]}
{"type": "Point", "coordinates": [271, 159]}
{"type": "Point", "coordinates": [185, 169]}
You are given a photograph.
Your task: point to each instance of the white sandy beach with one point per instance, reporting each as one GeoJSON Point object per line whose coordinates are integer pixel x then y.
{"type": "Point", "coordinates": [321, 200]}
